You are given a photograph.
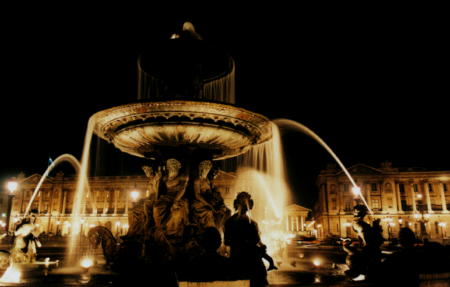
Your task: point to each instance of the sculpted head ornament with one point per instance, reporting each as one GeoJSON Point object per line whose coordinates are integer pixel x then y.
{"type": "Point", "coordinates": [173, 162]}
{"type": "Point", "coordinates": [206, 164]}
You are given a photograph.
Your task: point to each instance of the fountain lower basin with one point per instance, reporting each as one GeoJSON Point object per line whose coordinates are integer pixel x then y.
{"type": "Point", "coordinates": [221, 130]}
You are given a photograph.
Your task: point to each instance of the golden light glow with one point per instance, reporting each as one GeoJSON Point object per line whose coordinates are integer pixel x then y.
{"type": "Point", "coordinates": [316, 262]}
{"type": "Point", "coordinates": [416, 215]}
{"type": "Point", "coordinates": [419, 196]}
{"type": "Point", "coordinates": [12, 185]}
{"type": "Point", "coordinates": [11, 275]}
{"type": "Point", "coordinates": [356, 190]}
{"type": "Point", "coordinates": [92, 225]}
{"type": "Point", "coordinates": [86, 263]}
{"type": "Point", "coordinates": [57, 222]}
{"type": "Point", "coordinates": [134, 194]}
{"type": "Point", "coordinates": [427, 215]}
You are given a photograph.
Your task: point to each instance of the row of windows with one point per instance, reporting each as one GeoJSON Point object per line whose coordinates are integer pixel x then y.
{"type": "Point", "coordinates": [401, 187]}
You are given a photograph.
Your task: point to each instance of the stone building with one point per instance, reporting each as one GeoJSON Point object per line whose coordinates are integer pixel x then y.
{"type": "Point", "coordinates": [391, 193]}
{"type": "Point", "coordinates": [295, 216]}
{"type": "Point", "coordinates": [107, 204]}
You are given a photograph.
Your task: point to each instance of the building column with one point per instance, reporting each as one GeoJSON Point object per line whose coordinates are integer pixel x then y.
{"type": "Point", "coordinates": [427, 194]}
{"type": "Point", "coordinates": [116, 195]}
{"type": "Point", "coordinates": [394, 197]}
{"type": "Point", "coordinates": [64, 203]}
{"type": "Point", "coordinates": [296, 219]}
{"type": "Point", "coordinates": [340, 189]}
{"type": "Point", "coordinates": [303, 227]}
{"type": "Point", "coordinates": [369, 201]}
{"type": "Point", "coordinates": [126, 201]}
{"type": "Point", "coordinates": [287, 222]}
{"type": "Point", "coordinates": [94, 202]}
{"type": "Point", "coordinates": [399, 200]}
{"type": "Point", "coordinates": [292, 222]}
{"type": "Point", "coordinates": [443, 202]}
{"type": "Point", "coordinates": [384, 207]}
{"type": "Point", "coordinates": [413, 198]}
{"type": "Point", "coordinates": [105, 205]}
{"type": "Point", "coordinates": [40, 201]}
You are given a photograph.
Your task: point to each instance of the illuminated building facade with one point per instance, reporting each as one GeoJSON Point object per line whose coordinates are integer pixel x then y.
{"type": "Point", "coordinates": [397, 196]}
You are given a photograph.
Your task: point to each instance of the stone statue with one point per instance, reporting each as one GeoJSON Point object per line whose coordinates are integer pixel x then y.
{"type": "Point", "coordinates": [26, 242]}
{"type": "Point", "coordinates": [201, 209]}
{"type": "Point", "coordinates": [170, 210]}
{"type": "Point", "coordinates": [372, 240]}
{"type": "Point", "coordinates": [243, 236]}
{"type": "Point", "coordinates": [140, 217]}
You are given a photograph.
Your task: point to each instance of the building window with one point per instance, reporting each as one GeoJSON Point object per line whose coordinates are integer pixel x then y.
{"type": "Point", "coordinates": [333, 203]}
{"type": "Point", "coordinates": [445, 187]}
{"type": "Point", "coordinates": [402, 188]}
{"type": "Point", "coordinates": [416, 189]}
{"type": "Point", "coordinates": [227, 190]}
{"type": "Point", "coordinates": [375, 204]}
{"type": "Point", "coordinates": [345, 187]}
{"type": "Point", "coordinates": [347, 206]}
{"type": "Point", "coordinates": [436, 225]}
{"type": "Point", "coordinates": [430, 187]}
{"type": "Point", "coordinates": [374, 187]}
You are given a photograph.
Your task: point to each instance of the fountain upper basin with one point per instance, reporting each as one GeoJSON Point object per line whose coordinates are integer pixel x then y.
{"type": "Point", "coordinates": [145, 127]}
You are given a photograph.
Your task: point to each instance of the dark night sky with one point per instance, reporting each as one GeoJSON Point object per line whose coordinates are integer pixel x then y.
{"type": "Point", "coordinates": [373, 86]}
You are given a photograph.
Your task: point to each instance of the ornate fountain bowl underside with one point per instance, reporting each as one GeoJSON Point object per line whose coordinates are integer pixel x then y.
{"type": "Point", "coordinates": [221, 130]}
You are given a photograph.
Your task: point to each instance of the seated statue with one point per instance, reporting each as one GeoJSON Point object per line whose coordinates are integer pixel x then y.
{"type": "Point", "coordinates": [202, 211]}
{"type": "Point", "coordinates": [243, 236]}
{"type": "Point", "coordinates": [171, 209]}
{"type": "Point", "coordinates": [26, 242]}
{"type": "Point", "coordinates": [140, 218]}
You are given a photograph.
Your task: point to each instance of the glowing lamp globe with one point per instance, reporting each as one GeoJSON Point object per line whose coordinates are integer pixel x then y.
{"type": "Point", "coordinates": [419, 196]}
{"type": "Point", "coordinates": [356, 190]}
{"type": "Point", "coordinates": [134, 195]}
{"type": "Point", "coordinates": [12, 185]}
{"type": "Point", "coordinates": [416, 215]}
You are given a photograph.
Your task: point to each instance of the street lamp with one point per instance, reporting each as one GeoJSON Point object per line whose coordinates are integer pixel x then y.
{"type": "Point", "coordinates": [400, 220]}
{"type": "Point", "coordinates": [423, 219]}
{"type": "Point", "coordinates": [347, 225]}
{"type": "Point", "coordinates": [117, 227]}
{"type": "Point", "coordinates": [390, 224]}
{"type": "Point", "coordinates": [134, 194]}
{"type": "Point", "coordinates": [57, 226]}
{"type": "Point", "coordinates": [12, 186]}
{"type": "Point", "coordinates": [442, 225]}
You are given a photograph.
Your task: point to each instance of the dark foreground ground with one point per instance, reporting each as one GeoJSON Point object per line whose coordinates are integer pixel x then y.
{"type": "Point", "coordinates": [296, 270]}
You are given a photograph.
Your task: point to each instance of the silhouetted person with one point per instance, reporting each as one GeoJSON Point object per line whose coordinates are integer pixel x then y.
{"type": "Point", "coordinates": [402, 268]}
{"type": "Point", "coordinates": [210, 266]}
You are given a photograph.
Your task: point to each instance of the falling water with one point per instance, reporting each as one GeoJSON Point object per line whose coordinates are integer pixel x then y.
{"type": "Point", "coordinates": [65, 157]}
{"type": "Point", "coordinates": [80, 191]}
{"type": "Point", "coordinates": [289, 124]}
{"type": "Point", "coordinates": [261, 172]}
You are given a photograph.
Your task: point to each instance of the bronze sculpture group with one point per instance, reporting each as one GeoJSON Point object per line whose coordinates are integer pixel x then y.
{"type": "Point", "coordinates": [167, 228]}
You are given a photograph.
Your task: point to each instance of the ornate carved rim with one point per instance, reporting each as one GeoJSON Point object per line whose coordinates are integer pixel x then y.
{"type": "Point", "coordinates": [222, 116]}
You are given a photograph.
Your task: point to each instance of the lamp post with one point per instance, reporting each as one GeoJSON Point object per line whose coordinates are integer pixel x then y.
{"type": "Point", "coordinates": [400, 220]}
{"type": "Point", "coordinates": [57, 227]}
{"type": "Point", "coordinates": [117, 228]}
{"type": "Point", "coordinates": [442, 225]}
{"type": "Point", "coordinates": [389, 224]}
{"type": "Point", "coordinates": [423, 218]}
{"type": "Point", "coordinates": [12, 186]}
{"type": "Point", "coordinates": [347, 225]}
{"type": "Point", "coordinates": [81, 226]}
{"type": "Point", "coordinates": [320, 233]}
